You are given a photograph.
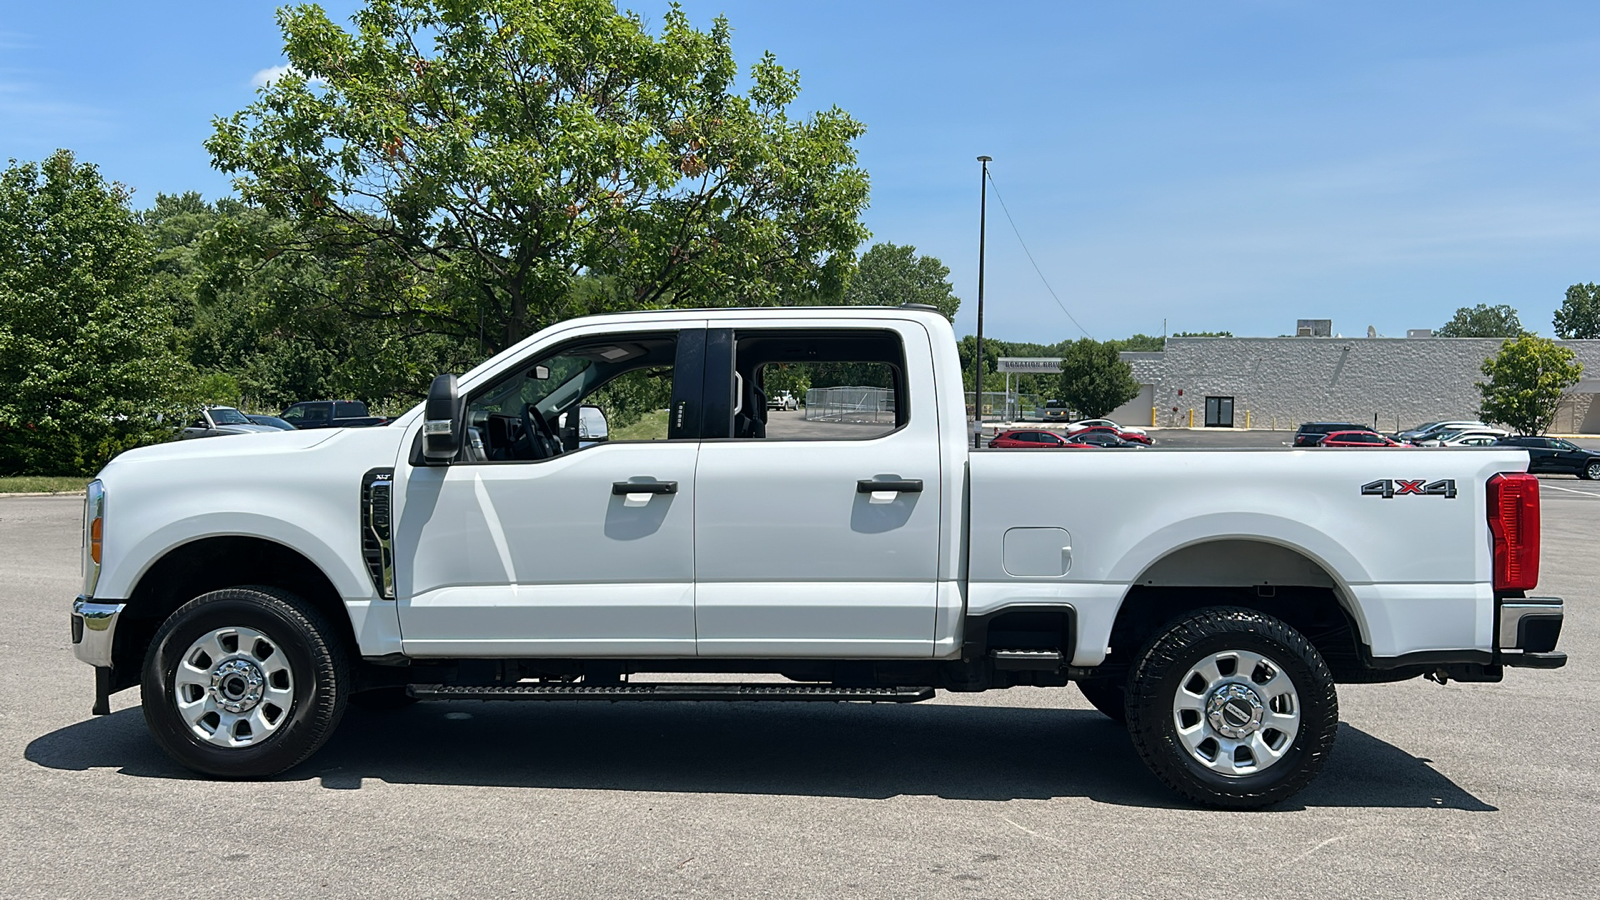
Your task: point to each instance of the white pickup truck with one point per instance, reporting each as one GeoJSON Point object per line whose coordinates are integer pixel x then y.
{"type": "Point", "coordinates": [475, 548]}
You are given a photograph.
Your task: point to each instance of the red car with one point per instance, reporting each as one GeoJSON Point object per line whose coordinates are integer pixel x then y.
{"type": "Point", "coordinates": [1032, 440]}
{"type": "Point", "coordinates": [1137, 437]}
{"type": "Point", "coordinates": [1357, 439]}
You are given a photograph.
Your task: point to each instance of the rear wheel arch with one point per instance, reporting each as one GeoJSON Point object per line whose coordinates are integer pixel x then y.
{"type": "Point", "coordinates": [1271, 577]}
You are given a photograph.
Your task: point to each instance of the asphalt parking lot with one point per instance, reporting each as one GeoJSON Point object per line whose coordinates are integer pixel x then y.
{"type": "Point", "coordinates": [1453, 791]}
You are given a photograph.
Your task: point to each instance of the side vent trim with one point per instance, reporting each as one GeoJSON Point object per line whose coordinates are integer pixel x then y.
{"type": "Point", "coordinates": [377, 534]}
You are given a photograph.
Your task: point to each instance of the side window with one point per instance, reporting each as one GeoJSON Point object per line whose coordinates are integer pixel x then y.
{"type": "Point", "coordinates": [603, 388]}
{"type": "Point", "coordinates": [316, 413]}
{"type": "Point", "coordinates": [295, 415]}
{"type": "Point", "coordinates": [850, 385]}
{"type": "Point", "coordinates": [345, 409]}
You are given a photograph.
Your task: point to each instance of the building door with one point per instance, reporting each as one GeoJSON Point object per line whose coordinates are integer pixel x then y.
{"type": "Point", "coordinates": [1219, 412]}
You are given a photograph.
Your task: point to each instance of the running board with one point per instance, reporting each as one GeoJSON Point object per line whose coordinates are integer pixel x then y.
{"type": "Point", "coordinates": [613, 692]}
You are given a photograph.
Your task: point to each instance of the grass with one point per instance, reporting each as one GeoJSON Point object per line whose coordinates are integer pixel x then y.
{"type": "Point", "coordinates": [42, 484]}
{"type": "Point", "coordinates": [653, 427]}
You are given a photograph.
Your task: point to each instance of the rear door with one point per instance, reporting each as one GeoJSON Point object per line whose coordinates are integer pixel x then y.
{"type": "Point", "coordinates": [817, 535]}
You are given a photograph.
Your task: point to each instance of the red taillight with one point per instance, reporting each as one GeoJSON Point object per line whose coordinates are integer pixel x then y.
{"type": "Point", "coordinates": [1514, 523]}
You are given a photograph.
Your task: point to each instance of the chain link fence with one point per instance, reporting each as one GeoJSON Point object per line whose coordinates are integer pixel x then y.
{"type": "Point", "coordinates": [850, 404]}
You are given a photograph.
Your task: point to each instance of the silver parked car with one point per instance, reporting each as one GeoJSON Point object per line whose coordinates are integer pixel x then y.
{"type": "Point", "coordinates": [216, 421]}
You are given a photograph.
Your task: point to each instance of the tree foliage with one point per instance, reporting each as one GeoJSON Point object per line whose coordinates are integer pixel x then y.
{"type": "Point", "coordinates": [893, 274]}
{"type": "Point", "coordinates": [1482, 320]}
{"type": "Point", "coordinates": [1527, 380]}
{"type": "Point", "coordinates": [87, 352]}
{"type": "Point", "coordinates": [1094, 379]}
{"type": "Point", "coordinates": [1579, 315]}
{"type": "Point", "coordinates": [506, 149]}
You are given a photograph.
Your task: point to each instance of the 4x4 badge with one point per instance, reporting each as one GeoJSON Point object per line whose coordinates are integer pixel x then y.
{"type": "Point", "coordinates": [1390, 487]}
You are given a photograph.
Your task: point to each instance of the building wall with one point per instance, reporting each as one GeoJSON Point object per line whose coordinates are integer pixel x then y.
{"type": "Point", "coordinates": [1282, 382]}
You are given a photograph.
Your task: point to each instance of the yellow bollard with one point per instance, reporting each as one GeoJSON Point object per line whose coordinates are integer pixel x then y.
{"type": "Point", "coordinates": [1247, 420]}
{"type": "Point", "coordinates": [1191, 417]}
{"type": "Point", "coordinates": [1152, 417]}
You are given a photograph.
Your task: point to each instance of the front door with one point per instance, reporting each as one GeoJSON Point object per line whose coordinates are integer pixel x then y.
{"type": "Point", "coordinates": [534, 543]}
{"type": "Point", "coordinates": [817, 530]}
{"type": "Point", "coordinates": [1219, 412]}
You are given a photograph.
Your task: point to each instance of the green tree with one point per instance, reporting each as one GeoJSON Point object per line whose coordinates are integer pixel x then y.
{"type": "Point", "coordinates": [86, 352]}
{"type": "Point", "coordinates": [1579, 315]}
{"type": "Point", "coordinates": [1094, 379]}
{"type": "Point", "coordinates": [508, 147]}
{"type": "Point", "coordinates": [1482, 320]}
{"type": "Point", "coordinates": [892, 274]}
{"type": "Point", "coordinates": [266, 327]}
{"type": "Point", "coordinates": [1527, 379]}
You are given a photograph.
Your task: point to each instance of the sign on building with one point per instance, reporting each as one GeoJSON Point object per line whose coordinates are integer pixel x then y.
{"type": "Point", "coordinates": [1031, 365]}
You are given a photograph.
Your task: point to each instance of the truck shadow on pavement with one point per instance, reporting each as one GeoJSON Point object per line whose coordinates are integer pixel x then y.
{"type": "Point", "coordinates": [949, 751]}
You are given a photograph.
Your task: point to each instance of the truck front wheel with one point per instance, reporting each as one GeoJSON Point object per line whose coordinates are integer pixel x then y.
{"type": "Point", "coordinates": [1232, 708]}
{"type": "Point", "coordinates": [244, 683]}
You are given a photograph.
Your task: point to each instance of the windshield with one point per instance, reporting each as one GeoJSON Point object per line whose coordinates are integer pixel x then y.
{"type": "Point", "coordinates": [223, 415]}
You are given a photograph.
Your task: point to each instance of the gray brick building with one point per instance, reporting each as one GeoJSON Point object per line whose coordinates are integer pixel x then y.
{"type": "Point", "coordinates": [1281, 382]}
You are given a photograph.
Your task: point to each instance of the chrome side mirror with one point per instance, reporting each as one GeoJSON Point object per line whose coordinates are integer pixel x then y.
{"type": "Point", "coordinates": [441, 421]}
{"type": "Point", "coordinates": [592, 424]}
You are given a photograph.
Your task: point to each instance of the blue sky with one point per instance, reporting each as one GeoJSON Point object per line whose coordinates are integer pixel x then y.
{"type": "Point", "coordinates": [1223, 166]}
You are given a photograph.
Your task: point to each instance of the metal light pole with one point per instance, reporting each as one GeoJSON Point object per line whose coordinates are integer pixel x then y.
{"type": "Point", "coordinates": [977, 380]}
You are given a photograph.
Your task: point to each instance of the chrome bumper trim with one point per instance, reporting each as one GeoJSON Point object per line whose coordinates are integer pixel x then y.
{"type": "Point", "coordinates": [1515, 612]}
{"type": "Point", "coordinates": [94, 627]}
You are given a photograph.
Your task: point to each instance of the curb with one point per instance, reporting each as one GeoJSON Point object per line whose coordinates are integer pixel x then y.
{"type": "Point", "coordinates": [45, 494]}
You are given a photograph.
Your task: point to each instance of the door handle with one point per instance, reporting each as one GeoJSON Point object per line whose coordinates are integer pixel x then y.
{"type": "Point", "coordinates": [624, 488]}
{"type": "Point", "coordinates": [903, 486]}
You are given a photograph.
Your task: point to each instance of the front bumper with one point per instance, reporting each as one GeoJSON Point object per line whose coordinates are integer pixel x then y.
{"type": "Point", "coordinates": [1527, 632]}
{"type": "Point", "coordinates": [94, 629]}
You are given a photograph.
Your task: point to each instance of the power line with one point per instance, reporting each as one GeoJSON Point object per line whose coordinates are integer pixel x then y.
{"type": "Point", "coordinates": [1029, 253]}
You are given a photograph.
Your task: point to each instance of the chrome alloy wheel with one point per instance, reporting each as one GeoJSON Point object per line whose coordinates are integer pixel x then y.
{"type": "Point", "coordinates": [233, 687]}
{"type": "Point", "coordinates": [1236, 712]}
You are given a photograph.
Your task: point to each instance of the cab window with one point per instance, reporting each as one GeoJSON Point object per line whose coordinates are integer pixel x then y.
{"type": "Point", "coordinates": [850, 385]}
{"type": "Point", "coordinates": [606, 388]}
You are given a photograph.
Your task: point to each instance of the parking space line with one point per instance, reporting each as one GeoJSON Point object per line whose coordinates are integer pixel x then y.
{"type": "Point", "coordinates": [1591, 494]}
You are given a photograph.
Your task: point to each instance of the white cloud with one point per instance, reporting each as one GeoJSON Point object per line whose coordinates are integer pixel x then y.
{"type": "Point", "coordinates": [268, 75]}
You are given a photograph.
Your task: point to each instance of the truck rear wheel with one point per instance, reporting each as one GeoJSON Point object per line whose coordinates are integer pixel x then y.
{"type": "Point", "coordinates": [1108, 695]}
{"type": "Point", "coordinates": [1232, 708]}
{"type": "Point", "coordinates": [244, 683]}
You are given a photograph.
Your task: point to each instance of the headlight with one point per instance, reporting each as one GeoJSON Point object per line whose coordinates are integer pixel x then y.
{"type": "Point", "coordinates": [94, 525]}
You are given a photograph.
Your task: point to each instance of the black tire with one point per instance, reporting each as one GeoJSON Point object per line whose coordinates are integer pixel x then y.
{"type": "Point", "coordinates": [1591, 471]}
{"type": "Point", "coordinates": [1153, 713]}
{"type": "Point", "coordinates": [383, 699]}
{"type": "Point", "coordinates": [318, 681]}
{"type": "Point", "coordinates": [1108, 695]}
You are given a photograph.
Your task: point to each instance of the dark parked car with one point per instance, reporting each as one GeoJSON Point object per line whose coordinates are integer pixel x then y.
{"type": "Point", "coordinates": [1556, 456]}
{"type": "Point", "coordinates": [1031, 440]}
{"type": "Point", "coordinates": [1104, 439]}
{"type": "Point", "coordinates": [271, 421]}
{"type": "Point", "coordinates": [1312, 433]}
{"type": "Point", "coordinates": [1137, 437]}
{"type": "Point", "coordinates": [1367, 438]}
{"type": "Point", "coordinates": [330, 414]}
{"type": "Point", "coordinates": [216, 421]}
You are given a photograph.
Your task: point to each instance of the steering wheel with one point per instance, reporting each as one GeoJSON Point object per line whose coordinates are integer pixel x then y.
{"type": "Point", "coordinates": [537, 433]}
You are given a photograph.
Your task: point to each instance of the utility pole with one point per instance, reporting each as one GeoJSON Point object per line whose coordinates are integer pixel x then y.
{"type": "Point", "coordinates": [977, 380]}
